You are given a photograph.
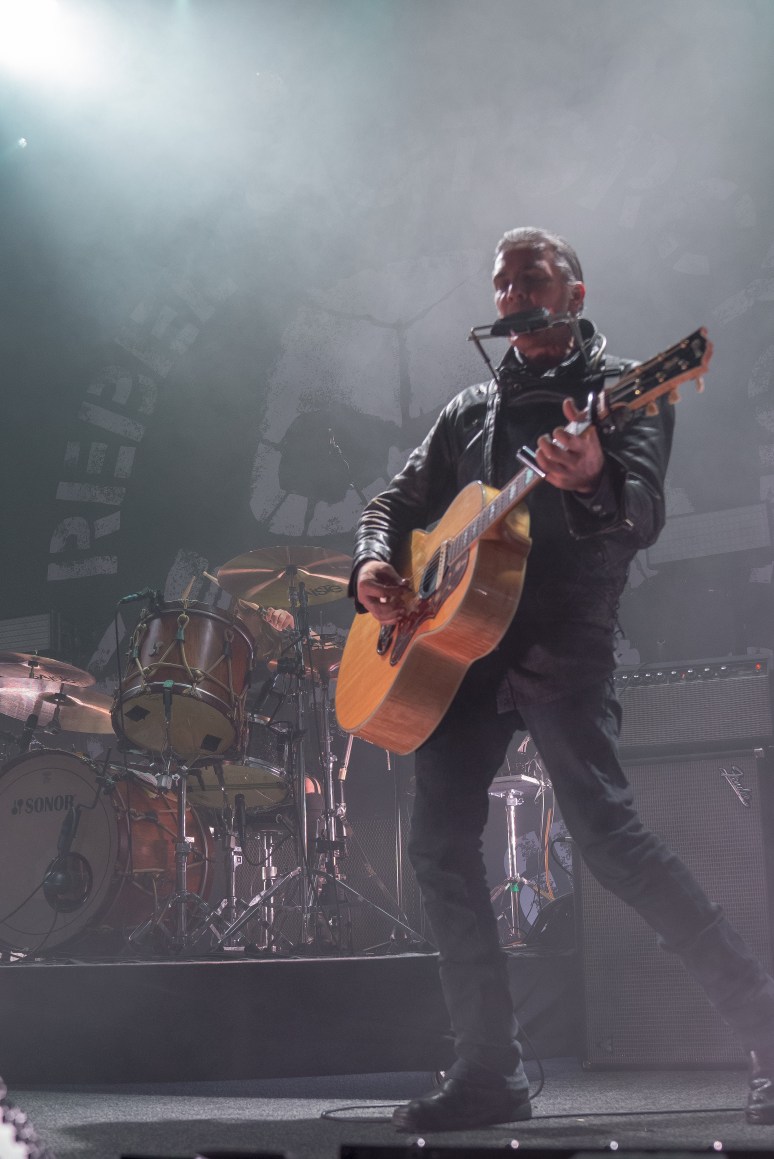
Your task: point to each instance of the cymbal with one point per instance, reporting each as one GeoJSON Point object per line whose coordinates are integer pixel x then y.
{"type": "Point", "coordinates": [87, 710]}
{"type": "Point", "coordinates": [83, 710]}
{"type": "Point", "coordinates": [263, 576]}
{"type": "Point", "coordinates": [21, 665]}
{"type": "Point", "coordinates": [20, 697]}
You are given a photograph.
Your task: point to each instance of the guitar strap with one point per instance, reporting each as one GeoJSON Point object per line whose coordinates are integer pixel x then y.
{"type": "Point", "coordinates": [488, 440]}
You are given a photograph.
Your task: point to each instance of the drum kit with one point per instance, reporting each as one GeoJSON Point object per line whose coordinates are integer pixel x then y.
{"type": "Point", "coordinates": [140, 850]}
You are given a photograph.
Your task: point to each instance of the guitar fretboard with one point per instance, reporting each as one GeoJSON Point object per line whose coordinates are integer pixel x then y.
{"type": "Point", "coordinates": [511, 495]}
{"type": "Point", "coordinates": [643, 384]}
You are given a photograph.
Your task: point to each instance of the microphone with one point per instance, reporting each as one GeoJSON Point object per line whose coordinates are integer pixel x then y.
{"type": "Point", "coordinates": [146, 594]}
{"type": "Point", "coordinates": [67, 832]}
{"type": "Point", "coordinates": [525, 322]}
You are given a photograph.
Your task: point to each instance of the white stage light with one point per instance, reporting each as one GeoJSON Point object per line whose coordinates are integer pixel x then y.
{"type": "Point", "coordinates": [39, 38]}
{"type": "Point", "coordinates": [22, 142]}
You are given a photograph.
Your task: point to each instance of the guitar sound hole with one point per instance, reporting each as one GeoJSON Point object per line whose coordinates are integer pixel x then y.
{"type": "Point", "coordinates": [429, 578]}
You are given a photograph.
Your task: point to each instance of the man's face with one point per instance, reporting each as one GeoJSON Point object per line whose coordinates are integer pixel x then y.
{"type": "Point", "coordinates": [524, 279]}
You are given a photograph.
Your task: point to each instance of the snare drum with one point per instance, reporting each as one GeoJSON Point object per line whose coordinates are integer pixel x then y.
{"type": "Point", "coordinates": [119, 868]}
{"type": "Point", "coordinates": [213, 787]}
{"type": "Point", "coordinates": [185, 681]}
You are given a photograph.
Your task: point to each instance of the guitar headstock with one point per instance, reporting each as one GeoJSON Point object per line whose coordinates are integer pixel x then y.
{"type": "Point", "coordinates": [662, 375]}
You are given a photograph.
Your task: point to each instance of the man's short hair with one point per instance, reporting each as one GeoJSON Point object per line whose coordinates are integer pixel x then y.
{"type": "Point", "coordinates": [530, 237]}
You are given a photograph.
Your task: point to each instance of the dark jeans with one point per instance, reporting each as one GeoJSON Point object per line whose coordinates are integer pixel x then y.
{"type": "Point", "coordinates": [576, 737]}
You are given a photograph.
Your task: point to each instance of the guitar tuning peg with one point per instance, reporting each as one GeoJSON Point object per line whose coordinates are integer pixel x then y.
{"type": "Point", "coordinates": [674, 396]}
{"type": "Point", "coordinates": [700, 383]}
{"type": "Point", "coordinates": [651, 410]}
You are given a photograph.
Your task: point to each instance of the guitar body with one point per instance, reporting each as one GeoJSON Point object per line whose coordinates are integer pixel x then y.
{"type": "Point", "coordinates": [395, 696]}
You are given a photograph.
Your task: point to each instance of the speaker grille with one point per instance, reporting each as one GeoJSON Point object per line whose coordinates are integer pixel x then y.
{"type": "Point", "coordinates": [705, 705]}
{"type": "Point", "coordinates": [642, 1009]}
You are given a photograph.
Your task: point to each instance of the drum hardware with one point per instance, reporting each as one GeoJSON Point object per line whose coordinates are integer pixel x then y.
{"type": "Point", "coordinates": [286, 567]}
{"type": "Point", "coordinates": [332, 895]}
{"type": "Point", "coordinates": [85, 851]}
{"type": "Point", "coordinates": [402, 934]}
{"type": "Point", "coordinates": [192, 915]}
{"type": "Point", "coordinates": [87, 710]}
{"type": "Point", "coordinates": [55, 708]}
{"type": "Point", "coordinates": [513, 790]}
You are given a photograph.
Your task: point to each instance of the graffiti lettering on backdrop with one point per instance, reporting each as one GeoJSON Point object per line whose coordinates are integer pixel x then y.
{"type": "Point", "coordinates": [113, 416]}
{"type": "Point", "coordinates": [114, 409]}
{"type": "Point", "coordinates": [114, 413]}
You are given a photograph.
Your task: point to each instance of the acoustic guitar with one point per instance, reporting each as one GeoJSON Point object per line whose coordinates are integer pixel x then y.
{"type": "Point", "coordinates": [466, 575]}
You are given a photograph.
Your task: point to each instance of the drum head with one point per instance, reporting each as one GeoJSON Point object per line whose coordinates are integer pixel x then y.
{"type": "Point", "coordinates": [262, 786]}
{"type": "Point", "coordinates": [195, 725]}
{"type": "Point", "coordinates": [43, 904]}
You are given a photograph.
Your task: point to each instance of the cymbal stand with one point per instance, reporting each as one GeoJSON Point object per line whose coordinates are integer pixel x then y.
{"type": "Point", "coordinates": [402, 934]}
{"type": "Point", "coordinates": [515, 881]}
{"type": "Point", "coordinates": [299, 607]}
{"type": "Point", "coordinates": [262, 905]}
{"type": "Point", "coordinates": [334, 844]}
{"type": "Point", "coordinates": [182, 902]}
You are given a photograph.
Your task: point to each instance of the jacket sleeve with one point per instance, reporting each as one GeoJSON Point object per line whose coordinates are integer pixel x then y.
{"type": "Point", "coordinates": [629, 502]}
{"type": "Point", "coordinates": [416, 497]}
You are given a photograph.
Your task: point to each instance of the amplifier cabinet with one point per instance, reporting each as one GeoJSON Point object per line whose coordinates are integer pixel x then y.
{"type": "Point", "coordinates": [706, 705]}
{"type": "Point", "coordinates": [641, 1006]}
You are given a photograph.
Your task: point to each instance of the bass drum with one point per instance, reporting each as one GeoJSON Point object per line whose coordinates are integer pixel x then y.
{"type": "Point", "coordinates": [76, 857]}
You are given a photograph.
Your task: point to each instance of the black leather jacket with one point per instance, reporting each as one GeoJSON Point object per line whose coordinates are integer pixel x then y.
{"type": "Point", "coordinates": [562, 633]}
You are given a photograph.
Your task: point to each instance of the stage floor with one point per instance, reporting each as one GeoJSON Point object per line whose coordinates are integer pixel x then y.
{"type": "Point", "coordinates": [577, 1109]}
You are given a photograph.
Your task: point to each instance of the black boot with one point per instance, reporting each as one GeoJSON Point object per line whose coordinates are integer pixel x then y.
{"type": "Point", "coordinates": [461, 1106]}
{"type": "Point", "coordinates": [760, 1100]}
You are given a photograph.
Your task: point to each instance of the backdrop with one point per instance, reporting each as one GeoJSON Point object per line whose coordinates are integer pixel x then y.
{"type": "Point", "coordinates": [238, 232]}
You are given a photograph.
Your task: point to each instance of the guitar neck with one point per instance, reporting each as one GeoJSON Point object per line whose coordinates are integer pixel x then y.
{"type": "Point", "coordinates": [511, 495]}
{"type": "Point", "coordinates": [638, 388]}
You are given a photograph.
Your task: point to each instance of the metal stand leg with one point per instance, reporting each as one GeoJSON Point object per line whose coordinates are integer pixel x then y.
{"type": "Point", "coordinates": [508, 893]}
{"type": "Point", "coordinates": [402, 935]}
{"type": "Point", "coordinates": [181, 904]}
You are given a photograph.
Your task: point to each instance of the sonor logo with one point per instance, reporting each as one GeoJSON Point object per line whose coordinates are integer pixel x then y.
{"type": "Point", "coordinates": [56, 804]}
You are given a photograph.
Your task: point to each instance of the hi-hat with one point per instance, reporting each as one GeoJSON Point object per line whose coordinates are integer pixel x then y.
{"type": "Point", "coordinates": [87, 710]}
{"type": "Point", "coordinates": [263, 576]}
{"type": "Point", "coordinates": [21, 665]}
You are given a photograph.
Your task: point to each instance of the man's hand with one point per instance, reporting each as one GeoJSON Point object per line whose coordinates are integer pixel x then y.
{"type": "Point", "coordinates": [279, 618]}
{"type": "Point", "coordinates": [381, 590]}
{"type": "Point", "coordinates": [571, 462]}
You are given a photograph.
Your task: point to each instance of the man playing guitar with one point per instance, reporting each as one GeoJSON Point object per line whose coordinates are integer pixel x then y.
{"type": "Point", "coordinates": [550, 675]}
